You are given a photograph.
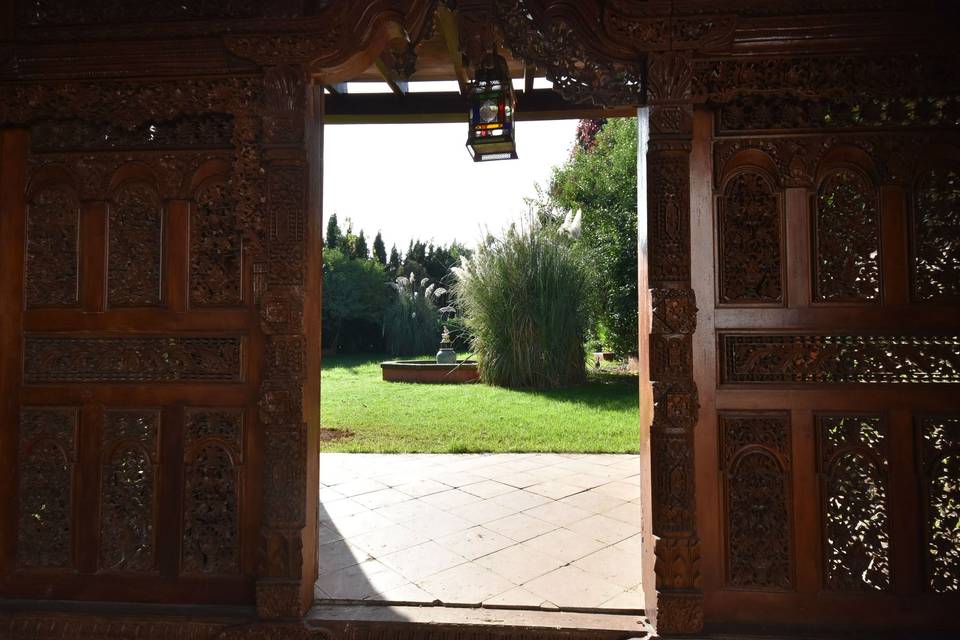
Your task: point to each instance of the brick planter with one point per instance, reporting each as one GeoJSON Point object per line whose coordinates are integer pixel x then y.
{"type": "Point", "coordinates": [424, 371]}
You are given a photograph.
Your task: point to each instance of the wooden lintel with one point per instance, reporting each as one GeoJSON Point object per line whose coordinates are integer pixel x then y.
{"type": "Point", "coordinates": [529, 72]}
{"type": "Point", "coordinates": [395, 82]}
{"type": "Point", "coordinates": [451, 36]}
{"type": "Point", "coordinates": [539, 104]}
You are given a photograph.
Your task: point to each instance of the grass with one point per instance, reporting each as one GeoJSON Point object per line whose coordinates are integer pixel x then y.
{"type": "Point", "coordinates": [600, 416]}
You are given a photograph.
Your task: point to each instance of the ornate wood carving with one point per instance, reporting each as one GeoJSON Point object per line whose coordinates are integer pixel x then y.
{"type": "Point", "coordinates": [936, 235]}
{"type": "Point", "coordinates": [756, 468]}
{"type": "Point", "coordinates": [853, 464]}
{"type": "Point", "coordinates": [669, 203]}
{"type": "Point", "coordinates": [202, 131]}
{"type": "Point", "coordinates": [46, 454]}
{"type": "Point", "coordinates": [846, 238]}
{"type": "Point", "coordinates": [940, 447]}
{"type": "Point", "coordinates": [132, 359]}
{"type": "Point", "coordinates": [135, 248]}
{"type": "Point", "coordinates": [211, 492]}
{"type": "Point", "coordinates": [216, 248]}
{"type": "Point", "coordinates": [128, 489]}
{"type": "Point", "coordinates": [53, 227]}
{"type": "Point", "coordinates": [750, 234]}
{"type": "Point", "coordinates": [831, 359]}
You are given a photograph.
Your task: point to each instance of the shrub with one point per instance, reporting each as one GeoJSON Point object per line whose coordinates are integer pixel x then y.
{"type": "Point", "coordinates": [523, 300]}
{"type": "Point", "coordinates": [353, 299]}
{"type": "Point", "coordinates": [411, 322]}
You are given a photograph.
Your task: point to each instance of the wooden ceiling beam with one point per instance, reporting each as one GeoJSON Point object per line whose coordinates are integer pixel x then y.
{"type": "Point", "coordinates": [529, 73]}
{"type": "Point", "coordinates": [397, 84]}
{"type": "Point", "coordinates": [451, 36]}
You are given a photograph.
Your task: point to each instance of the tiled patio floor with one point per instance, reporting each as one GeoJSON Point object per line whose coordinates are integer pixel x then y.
{"type": "Point", "coordinates": [532, 530]}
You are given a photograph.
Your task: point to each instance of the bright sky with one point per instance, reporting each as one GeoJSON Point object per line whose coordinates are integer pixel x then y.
{"type": "Point", "coordinates": [417, 181]}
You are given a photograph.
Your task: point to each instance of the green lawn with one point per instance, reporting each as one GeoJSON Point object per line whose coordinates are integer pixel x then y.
{"type": "Point", "coordinates": [600, 416]}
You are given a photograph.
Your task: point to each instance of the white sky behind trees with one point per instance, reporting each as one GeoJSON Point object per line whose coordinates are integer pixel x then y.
{"type": "Point", "coordinates": [417, 181]}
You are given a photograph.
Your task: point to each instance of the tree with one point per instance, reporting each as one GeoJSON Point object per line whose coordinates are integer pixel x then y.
{"type": "Point", "coordinates": [334, 235]}
{"type": "Point", "coordinates": [379, 251]}
{"type": "Point", "coordinates": [353, 293]}
{"type": "Point", "coordinates": [360, 248]}
{"type": "Point", "coordinates": [393, 264]}
{"type": "Point", "coordinates": [600, 179]}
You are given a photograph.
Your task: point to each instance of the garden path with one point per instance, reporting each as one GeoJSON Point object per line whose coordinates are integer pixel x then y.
{"type": "Point", "coordinates": [540, 530]}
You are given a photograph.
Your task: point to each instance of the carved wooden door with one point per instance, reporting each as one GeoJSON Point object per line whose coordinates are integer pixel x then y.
{"type": "Point", "coordinates": [827, 267]}
{"type": "Point", "coordinates": [131, 361]}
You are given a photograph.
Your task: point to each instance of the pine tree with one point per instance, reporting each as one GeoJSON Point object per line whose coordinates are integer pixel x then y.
{"type": "Point", "coordinates": [334, 235]}
{"type": "Point", "coordinates": [379, 251]}
{"type": "Point", "coordinates": [361, 250]}
{"type": "Point", "coordinates": [393, 264]}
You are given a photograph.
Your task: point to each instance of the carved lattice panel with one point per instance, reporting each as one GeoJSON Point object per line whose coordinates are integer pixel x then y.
{"type": "Point", "coordinates": [135, 249]}
{"type": "Point", "coordinates": [755, 458]}
{"type": "Point", "coordinates": [817, 359]}
{"type": "Point", "coordinates": [853, 464]}
{"type": "Point", "coordinates": [47, 454]}
{"type": "Point", "coordinates": [215, 248]}
{"type": "Point", "coordinates": [846, 238]}
{"type": "Point", "coordinates": [940, 444]}
{"type": "Point", "coordinates": [53, 226]}
{"type": "Point", "coordinates": [750, 238]}
{"type": "Point", "coordinates": [936, 235]}
{"type": "Point", "coordinates": [211, 492]}
{"type": "Point", "coordinates": [128, 490]}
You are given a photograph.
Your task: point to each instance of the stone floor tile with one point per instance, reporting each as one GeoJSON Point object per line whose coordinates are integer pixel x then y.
{"type": "Point", "coordinates": [408, 592]}
{"type": "Point", "coordinates": [438, 525]}
{"type": "Point", "coordinates": [455, 479]}
{"type": "Point", "coordinates": [520, 500]}
{"type": "Point", "coordinates": [519, 565]}
{"type": "Point", "coordinates": [544, 474]}
{"type": "Point", "coordinates": [626, 600]}
{"type": "Point", "coordinates": [329, 494]}
{"type": "Point", "coordinates": [481, 512]}
{"type": "Point", "coordinates": [421, 561]}
{"type": "Point", "coordinates": [359, 486]}
{"type": "Point", "coordinates": [487, 489]}
{"type": "Point", "coordinates": [339, 509]}
{"type": "Point", "coordinates": [554, 489]}
{"type": "Point", "coordinates": [516, 597]}
{"type": "Point", "coordinates": [475, 542]}
{"type": "Point", "coordinates": [609, 530]}
{"type": "Point", "coordinates": [633, 544]}
{"type": "Point", "coordinates": [359, 523]}
{"type": "Point", "coordinates": [573, 587]}
{"type": "Point", "coordinates": [564, 545]}
{"type": "Point", "coordinates": [336, 555]}
{"type": "Point", "coordinates": [558, 513]}
{"type": "Point", "coordinates": [519, 479]}
{"type": "Point", "coordinates": [359, 581]}
{"type": "Point", "coordinates": [451, 499]}
{"type": "Point", "coordinates": [465, 584]}
{"type": "Point", "coordinates": [593, 501]}
{"type": "Point", "coordinates": [628, 512]}
{"type": "Point", "coordinates": [624, 490]}
{"type": "Point", "coordinates": [409, 510]}
{"type": "Point", "coordinates": [382, 498]}
{"type": "Point", "coordinates": [422, 487]}
{"type": "Point", "coordinates": [584, 480]}
{"type": "Point", "coordinates": [520, 527]}
{"type": "Point", "coordinates": [614, 565]}
{"type": "Point", "coordinates": [386, 540]}
{"type": "Point", "coordinates": [326, 534]}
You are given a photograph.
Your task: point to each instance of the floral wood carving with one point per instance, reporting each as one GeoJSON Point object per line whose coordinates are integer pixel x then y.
{"type": "Point", "coordinates": [131, 359]}
{"type": "Point", "coordinates": [204, 131]}
{"type": "Point", "coordinates": [940, 446]}
{"type": "Point", "coordinates": [578, 73]}
{"type": "Point", "coordinates": [936, 235]}
{"type": "Point", "coordinates": [847, 238]}
{"type": "Point", "coordinates": [756, 472]}
{"type": "Point", "coordinates": [211, 492]}
{"type": "Point", "coordinates": [669, 227]}
{"type": "Point", "coordinates": [135, 247]}
{"type": "Point", "coordinates": [853, 461]}
{"type": "Point", "coordinates": [46, 455]}
{"type": "Point", "coordinates": [128, 490]}
{"type": "Point", "coordinates": [53, 228]}
{"type": "Point", "coordinates": [216, 248]}
{"type": "Point", "coordinates": [286, 204]}
{"type": "Point", "coordinates": [750, 234]}
{"type": "Point", "coordinates": [831, 359]}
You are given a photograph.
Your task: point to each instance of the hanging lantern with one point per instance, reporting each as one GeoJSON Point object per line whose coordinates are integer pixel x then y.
{"type": "Point", "coordinates": [492, 105]}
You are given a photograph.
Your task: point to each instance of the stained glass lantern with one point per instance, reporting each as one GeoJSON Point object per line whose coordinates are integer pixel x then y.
{"type": "Point", "coordinates": [492, 105]}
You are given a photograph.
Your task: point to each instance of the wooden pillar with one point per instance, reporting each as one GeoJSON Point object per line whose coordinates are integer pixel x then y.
{"type": "Point", "coordinates": [286, 286]}
{"type": "Point", "coordinates": [679, 606]}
